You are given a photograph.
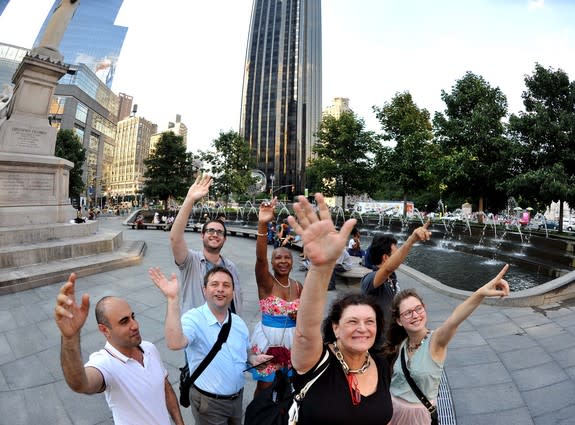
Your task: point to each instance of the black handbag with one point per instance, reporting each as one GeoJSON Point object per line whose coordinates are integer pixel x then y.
{"type": "Point", "coordinates": [274, 405]}
{"type": "Point", "coordinates": [186, 381]}
{"type": "Point", "coordinates": [271, 405]}
{"type": "Point", "coordinates": [432, 409]}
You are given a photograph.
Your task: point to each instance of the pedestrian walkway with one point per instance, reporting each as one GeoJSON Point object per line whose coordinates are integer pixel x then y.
{"type": "Point", "coordinates": [505, 366]}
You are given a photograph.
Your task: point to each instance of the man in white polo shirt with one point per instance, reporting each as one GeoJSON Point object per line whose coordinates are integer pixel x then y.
{"type": "Point", "coordinates": [216, 395]}
{"type": "Point", "coordinates": [128, 370]}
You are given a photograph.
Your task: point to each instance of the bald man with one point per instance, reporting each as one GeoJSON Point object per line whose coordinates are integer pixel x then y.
{"type": "Point", "coordinates": [128, 370]}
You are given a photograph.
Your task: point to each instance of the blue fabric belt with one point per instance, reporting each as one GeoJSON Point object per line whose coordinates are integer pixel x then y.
{"type": "Point", "coordinates": [277, 321]}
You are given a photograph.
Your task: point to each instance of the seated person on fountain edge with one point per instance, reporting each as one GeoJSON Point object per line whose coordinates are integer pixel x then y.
{"type": "Point", "coordinates": [354, 245]}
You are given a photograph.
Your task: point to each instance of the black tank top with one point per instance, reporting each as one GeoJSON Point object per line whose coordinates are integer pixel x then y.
{"type": "Point", "coordinates": [328, 401]}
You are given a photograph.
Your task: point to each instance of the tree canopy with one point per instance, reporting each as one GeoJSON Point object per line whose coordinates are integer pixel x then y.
{"type": "Point", "coordinates": [69, 146]}
{"type": "Point", "coordinates": [406, 164]}
{"type": "Point", "coordinates": [231, 163]}
{"type": "Point", "coordinates": [470, 137]}
{"type": "Point", "coordinates": [343, 156]}
{"type": "Point", "coordinates": [169, 170]}
{"type": "Point", "coordinates": [545, 139]}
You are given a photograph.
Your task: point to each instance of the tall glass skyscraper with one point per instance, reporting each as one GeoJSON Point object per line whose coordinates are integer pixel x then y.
{"type": "Point", "coordinates": [3, 4]}
{"type": "Point", "coordinates": [281, 99]}
{"type": "Point", "coordinates": [92, 38]}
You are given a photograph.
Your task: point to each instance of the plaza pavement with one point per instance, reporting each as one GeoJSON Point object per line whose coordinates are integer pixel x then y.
{"type": "Point", "coordinates": [505, 365]}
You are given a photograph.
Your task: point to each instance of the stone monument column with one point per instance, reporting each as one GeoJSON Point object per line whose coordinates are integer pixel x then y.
{"type": "Point", "coordinates": [56, 28]}
{"type": "Point", "coordinates": [33, 182]}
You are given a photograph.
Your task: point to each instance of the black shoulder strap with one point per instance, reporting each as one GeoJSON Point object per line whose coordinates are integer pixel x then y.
{"type": "Point", "coordinates": [432, 409]}
{"type": "Point", "coordinates": [222, 337]}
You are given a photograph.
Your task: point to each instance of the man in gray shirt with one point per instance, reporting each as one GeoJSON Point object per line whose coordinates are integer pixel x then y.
{"type": "Point", "coordinates": [194, 264]}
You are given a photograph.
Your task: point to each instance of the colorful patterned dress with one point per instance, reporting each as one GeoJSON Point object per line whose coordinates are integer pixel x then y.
{"type": "Point", "coordinates": [274, 335]}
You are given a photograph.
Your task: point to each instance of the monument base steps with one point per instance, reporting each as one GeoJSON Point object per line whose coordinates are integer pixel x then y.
{"type": "Point", "coordinates": [33, 256]}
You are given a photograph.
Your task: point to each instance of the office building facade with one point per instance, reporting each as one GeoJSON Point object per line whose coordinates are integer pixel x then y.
{"type": "Point", "coordinates": [10, 58]}
{"type": "Point", "coordinates": [124, 106]}
{"type": "Point", "coordinates": [84, 103]}
{"type": "Point", "coordinates": [133, 138]}
{"type": "Point", "coordinates": [92, 38]}
{"type": "Point", "coordinates": [338, 107]}
{"type": "Point", "coordinates": [281, 96]}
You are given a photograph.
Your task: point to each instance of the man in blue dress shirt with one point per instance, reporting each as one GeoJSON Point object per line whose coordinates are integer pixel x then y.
{"type": "Point", "coordinates": [216, 396]}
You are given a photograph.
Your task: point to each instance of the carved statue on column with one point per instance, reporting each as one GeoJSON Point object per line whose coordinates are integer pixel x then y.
{"type": "Point", "coordinates": [58, 23]}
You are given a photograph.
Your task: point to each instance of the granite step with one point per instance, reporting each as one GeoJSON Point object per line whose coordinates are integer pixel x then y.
{"type": "Point", "coordinates": [32, 276]}
{"type": "Point", "coordinates": [58, 249]}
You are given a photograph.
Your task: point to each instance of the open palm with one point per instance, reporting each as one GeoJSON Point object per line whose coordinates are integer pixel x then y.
{"type": "Point", "coordinates": [323, 243]}
{"type": "Point", "coordinates": [169, 288]}
{"type": "Point", "coordinates": [201, 187]}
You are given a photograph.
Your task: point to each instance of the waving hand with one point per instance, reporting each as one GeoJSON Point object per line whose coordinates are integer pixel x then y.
{"type": "Point", "coordinates": [323, 243]}
{"type": "Point", "coordinates": [69, 316]}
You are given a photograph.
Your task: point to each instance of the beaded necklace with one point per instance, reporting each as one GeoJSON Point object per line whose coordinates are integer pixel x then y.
{"type": "Point", "coordinates": [411, 348]}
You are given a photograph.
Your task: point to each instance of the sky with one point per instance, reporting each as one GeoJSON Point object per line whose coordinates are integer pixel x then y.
{"type": "Point", "coordinates": [187, 56]}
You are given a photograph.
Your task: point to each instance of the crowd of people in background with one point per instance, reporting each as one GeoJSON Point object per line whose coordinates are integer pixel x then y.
{"type": "Point", "coordinates": [368, 359]}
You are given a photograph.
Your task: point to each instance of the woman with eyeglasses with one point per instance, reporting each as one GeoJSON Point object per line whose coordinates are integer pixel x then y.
{"type": "Point", "coordinates": [424, 351]}
{"type": "Point", "coordinates": [353, 387]}
{"type": "Point", "coordinates": [279, 301]}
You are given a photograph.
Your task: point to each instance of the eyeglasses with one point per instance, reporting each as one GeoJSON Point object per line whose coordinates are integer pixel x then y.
{"type": "Point", "coordinates": [211, 231]}
{"type": "Point", "coordinates": [408, 314]}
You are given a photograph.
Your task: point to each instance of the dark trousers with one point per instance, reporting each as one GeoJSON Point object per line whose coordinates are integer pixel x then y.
{"type": "Point", "coordinates": [338, 268]}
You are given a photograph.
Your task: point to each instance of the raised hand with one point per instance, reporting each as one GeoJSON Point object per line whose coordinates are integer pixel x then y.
{"type": "Point", "coordinates": [266, 213]}
{"type": "Point", "coordinates": [169, 288]}
{"type": "Point", "coordinates": [69, 316]}
{"type": "Point", "coordinates": [421, 233]}
{"type": "Point", "coordinates": [200, 188]}
{"type": "Point", "coordinates": [496, 287]}
{"type": "Point", "coordinates": [323, 243]}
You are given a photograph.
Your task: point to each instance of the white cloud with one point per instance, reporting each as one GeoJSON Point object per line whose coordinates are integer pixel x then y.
{"type": "Point", "coordinates": [536, 4]}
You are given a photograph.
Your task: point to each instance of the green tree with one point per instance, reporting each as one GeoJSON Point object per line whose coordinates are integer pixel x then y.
{"type": "Point", "coordinates": [344, 153]}
{"type": "Point", "coordinates": [230, 162]}
{"type": "Point", "coordinates": [470, 137]}
{"type": "Point", "coordinates": [545, 136]}
{"type": "Point", "coordinates": [406, 164]}
{"type": "Point", "coordinates": [69, 146]}
{"type": "Point", "coordinates": [169, 171]}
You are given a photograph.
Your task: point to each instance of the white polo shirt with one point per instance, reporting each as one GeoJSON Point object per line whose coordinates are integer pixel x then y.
{"type": "Point", "coordinates": [135, 393]}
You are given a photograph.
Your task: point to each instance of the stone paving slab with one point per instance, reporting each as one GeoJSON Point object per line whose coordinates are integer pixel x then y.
{"type": "Point", "coordinates": [506, 365]}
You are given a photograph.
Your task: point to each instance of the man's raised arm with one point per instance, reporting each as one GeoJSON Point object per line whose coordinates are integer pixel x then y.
{"type": "Point", "coordinates": [196, 192]}
{"type": "Point", "coordinates": [70, 317]}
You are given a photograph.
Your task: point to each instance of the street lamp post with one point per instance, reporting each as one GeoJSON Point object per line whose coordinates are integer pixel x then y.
{"type": "Point", "coordinates": [272, 177]}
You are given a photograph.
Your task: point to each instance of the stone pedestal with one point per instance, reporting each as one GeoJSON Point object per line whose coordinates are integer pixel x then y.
{"type": "Point", "coordinates": [33, 182]}
{"type": "Point", "coordinates": [34, 190]}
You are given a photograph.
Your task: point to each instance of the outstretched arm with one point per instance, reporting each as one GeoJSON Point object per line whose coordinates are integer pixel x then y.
{"type": "Point", "coordinates": [496, 287]}
{"type": "Point", "coordinates": [266, 214]}
{"type": "Point", "coordinates": [175, 338]}
{"type": "Point", "coordinates": [70, 317]}
{"type": "Point", "coordinates": [323, 245]}
{"type": "Point", "coordinates": [196, 192]}
{"type": "Point", "coordinates": [395, 260]}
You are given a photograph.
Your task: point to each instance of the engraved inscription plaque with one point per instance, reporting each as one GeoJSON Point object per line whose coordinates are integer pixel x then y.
{"type": "Point", "coordinates": [28, 138]}
{"type": "Point", "coordinates": [17, 187]}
